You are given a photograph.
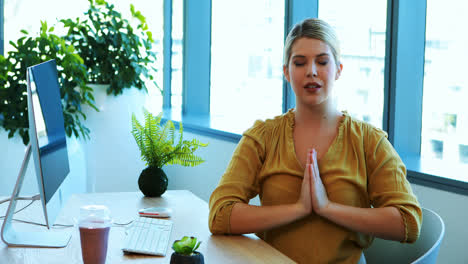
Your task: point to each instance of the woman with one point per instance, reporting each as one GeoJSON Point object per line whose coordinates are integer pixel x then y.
{"type": "Point", "coordinates": [327, 182]}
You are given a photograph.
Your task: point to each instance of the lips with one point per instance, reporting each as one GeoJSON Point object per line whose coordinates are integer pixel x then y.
{"type": "Point", "coordinates": [312, 86]}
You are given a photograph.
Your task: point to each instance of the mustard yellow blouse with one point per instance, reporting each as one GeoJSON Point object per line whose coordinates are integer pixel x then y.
{"type": "Point", "coordinates": [361, 169]}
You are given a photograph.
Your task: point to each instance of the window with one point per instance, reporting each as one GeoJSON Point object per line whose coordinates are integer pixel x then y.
{"type": "Point", "coordinates": [246, 59]}
{"type": "Point", "coordinates": [27, 14]}
{"type": "Point", "coordinates": [444, 135]}
{"type": "Point", "coordinates": [177, 54]}
{"type": "Point", "coordinates": [360, 89]}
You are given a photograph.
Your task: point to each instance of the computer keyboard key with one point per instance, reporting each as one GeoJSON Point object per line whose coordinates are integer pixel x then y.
{"type": "Point", "coordinates": [148, 236]}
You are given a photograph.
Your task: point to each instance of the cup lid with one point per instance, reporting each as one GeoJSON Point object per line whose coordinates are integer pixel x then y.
{"type": "Point", "coordinates": [95, 213]}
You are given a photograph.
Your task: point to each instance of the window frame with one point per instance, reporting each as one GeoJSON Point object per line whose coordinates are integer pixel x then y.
{"type": "Point", "coordinates": [2, 29]}
{"type": "Point", "coordinates": [403, 92]}
{"type": "Point", "coordinates": [167, 53]}
{"type": "Point", "coordinates": [196, 58]}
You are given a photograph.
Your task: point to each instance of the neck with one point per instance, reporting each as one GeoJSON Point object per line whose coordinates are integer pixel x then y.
{"type": "Point", "coordinates": [317, 116]}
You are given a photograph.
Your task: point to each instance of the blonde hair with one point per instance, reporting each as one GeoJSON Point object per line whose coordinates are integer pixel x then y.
{"type": "Point", "coordinates": [316, 29]}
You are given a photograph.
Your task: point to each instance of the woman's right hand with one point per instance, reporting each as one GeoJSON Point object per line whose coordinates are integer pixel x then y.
{"type": "Point", "coordinates": [246, 218]}
{"type": "Point", "coordinates": [304, 203]}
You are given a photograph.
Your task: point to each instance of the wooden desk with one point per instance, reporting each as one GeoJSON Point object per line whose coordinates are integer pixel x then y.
{"type": "Point", "coordinates": [190, 216]}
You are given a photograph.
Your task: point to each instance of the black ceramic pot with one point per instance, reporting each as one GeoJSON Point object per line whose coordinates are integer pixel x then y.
{"type": "Point", "coordinates": [196, 258]}
{"type": "Point", "coordinates": [152, 182]}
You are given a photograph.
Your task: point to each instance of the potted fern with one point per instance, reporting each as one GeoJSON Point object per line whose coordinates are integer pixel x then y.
{"type": "Point", "coordinates": [158, 147]}
{"type": "Point", "coordinates": [185, 251]}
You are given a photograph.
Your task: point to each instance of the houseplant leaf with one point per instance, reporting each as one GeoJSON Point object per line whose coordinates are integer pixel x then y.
{"type": "Point", "coordinates": [115, 52]}
{"type": "Point", "coordinates": [158, 146]}
{"type": "Point", "coordinates": [30, 50]}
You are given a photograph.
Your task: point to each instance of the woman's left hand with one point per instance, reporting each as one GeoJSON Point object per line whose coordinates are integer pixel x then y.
{"type": "Point", "coordinates": [318, 193]}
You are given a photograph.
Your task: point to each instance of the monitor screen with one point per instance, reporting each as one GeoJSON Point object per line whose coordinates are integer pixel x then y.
{"type": "Point", "coordinates": [49, 132]}
{"type": "Point", "coordinates": [47, 135]}
{"type": "Point", "coordinates": [48, 147]}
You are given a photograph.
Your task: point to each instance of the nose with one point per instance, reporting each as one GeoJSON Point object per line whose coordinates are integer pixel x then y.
{"type": "Point", "coordinates": [312, 70]}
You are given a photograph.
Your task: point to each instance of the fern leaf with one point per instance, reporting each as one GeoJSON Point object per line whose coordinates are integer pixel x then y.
{"type": "Point", "coordinates": [181, 135]}
{"type": "Point", "coordinates": [137, 132]}
{"type": "Point", "coordinates": [156, 142]}
{"type": "Point", "coordinates": [171, 133]}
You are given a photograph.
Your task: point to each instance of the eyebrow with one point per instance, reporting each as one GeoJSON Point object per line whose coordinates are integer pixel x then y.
{"type": "Point", "coordinates": [320, 55]}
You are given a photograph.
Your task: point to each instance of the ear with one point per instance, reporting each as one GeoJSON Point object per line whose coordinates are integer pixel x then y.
{"type": "Point", "coordinates": [286, 73]}
{"type": "Point", "coordinates": [338, 71]}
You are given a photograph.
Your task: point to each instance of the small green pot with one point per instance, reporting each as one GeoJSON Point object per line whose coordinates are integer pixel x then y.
{"type": "Point", "coordinates": [152, 182]}
{"type": "Point", "coordinates": [197, 258]}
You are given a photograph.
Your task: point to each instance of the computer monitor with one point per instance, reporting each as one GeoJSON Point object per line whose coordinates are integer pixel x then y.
{"type": "Point", "coordinates": [49, 150]}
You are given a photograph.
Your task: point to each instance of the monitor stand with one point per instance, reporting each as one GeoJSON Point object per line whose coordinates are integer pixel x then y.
{"type": "Point", "coordinates": [11, 237]}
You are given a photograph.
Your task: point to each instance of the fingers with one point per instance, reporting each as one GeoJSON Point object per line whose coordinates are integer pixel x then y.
{"type": "Point", "coordinates": [310, 156]}
{"type": "Point", "coordinates": [307, 175]}
{"type": "Point", "coordinates": [304, 200]}
{"type": "Point", "coordinates": [312, 159]}
{"type": "Point", "coordinates": [314, 162]}
{"type": "Point", "coordinates": [308, 169]}
{"type": "Point", "coordinates": [310, 162]}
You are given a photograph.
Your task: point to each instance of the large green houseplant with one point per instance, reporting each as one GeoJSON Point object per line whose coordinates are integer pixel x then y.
{"type": "Point", "coordinates": [114, 52]}
{"type": "Point", "coordinates": [158, 147]}
{"type": "Point", "coordinates": [31, 50]}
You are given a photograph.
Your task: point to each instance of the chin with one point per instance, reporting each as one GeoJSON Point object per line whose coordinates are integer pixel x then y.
{"type": "Point", "coordinates": [315, 102]}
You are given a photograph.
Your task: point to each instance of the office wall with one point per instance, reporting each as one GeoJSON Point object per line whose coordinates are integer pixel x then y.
{"type": "Point", "coordinates": [202, 179]}
{"type": "Point", "coordinates": [453, 209]}
{"type": "Point", "coordinates": [12, 153]}
{"type": "Point", "coordinates": [112, 156]}
{"type": "Point", "coordinates": [11, 156]}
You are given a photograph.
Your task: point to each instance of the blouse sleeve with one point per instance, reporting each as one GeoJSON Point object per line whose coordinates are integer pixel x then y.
{"type": "Point", "coordinates": [239, 183]}
{"type": "Point", "coordinates": [387, 183]}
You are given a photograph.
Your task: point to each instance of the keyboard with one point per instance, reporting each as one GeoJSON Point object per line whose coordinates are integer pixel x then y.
{"type": "Point", "coordinates": [148, 236]}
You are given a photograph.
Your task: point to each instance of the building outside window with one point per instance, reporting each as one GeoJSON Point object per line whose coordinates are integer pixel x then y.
{"type": "Point", "coordinates": [177, 54]}
{"type": "Point", "coordinates": [360, 89]}
{"type": "Point", "coordinates": [444, 132]}
{"type": "Point", "coordinates": [246, 60]}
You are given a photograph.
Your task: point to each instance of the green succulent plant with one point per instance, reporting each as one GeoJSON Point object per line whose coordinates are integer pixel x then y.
{"type": "Point", "coordinates": [158, 146]}
{"type": "Point", "coordinates": [186, 246]}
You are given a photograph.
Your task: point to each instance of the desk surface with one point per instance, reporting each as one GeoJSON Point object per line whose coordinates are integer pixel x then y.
{"type": "Point", "coordinates": [190, 216]}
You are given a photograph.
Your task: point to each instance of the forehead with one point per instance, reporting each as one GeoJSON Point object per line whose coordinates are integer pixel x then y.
{"type": "Point", "coordinates": [309, 47]}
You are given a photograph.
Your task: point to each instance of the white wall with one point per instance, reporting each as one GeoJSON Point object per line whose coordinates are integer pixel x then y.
{"type": "Point", "coordinates": [113, 158]}
{"type": "Point", "coordinates": [201, 180]}
{"type": "Point", "coordinates": [11, 156]}
{"type": "Point", "coordinates": [453, 208]}
{"type": "Point", "coordinates": [204, 178]}
{"type": "Point", "coordinates": [12, 153]}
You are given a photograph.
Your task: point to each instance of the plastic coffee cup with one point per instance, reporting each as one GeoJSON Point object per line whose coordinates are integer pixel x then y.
{"type": "Point", "coordinates": [94, 224]}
